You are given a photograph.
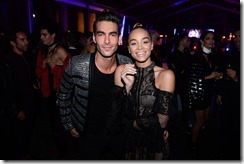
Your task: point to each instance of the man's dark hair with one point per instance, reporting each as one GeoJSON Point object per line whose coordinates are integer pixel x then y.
{"type": "Point", "coordinates": [178, 39]}
{"type": "Point", "coordinates": [72, 38]}
{"type": "Point", "coordinates": [107, 16]}
{"type": "Point", "coordinates": [12, 34]}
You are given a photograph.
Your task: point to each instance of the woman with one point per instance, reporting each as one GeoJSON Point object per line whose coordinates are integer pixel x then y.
{"type": "Point", "coordinates": [52, 60]}
{"type": "Point", "coordinates": [203, 74]}
{"type": "Point", "coordinates": [149, 90]}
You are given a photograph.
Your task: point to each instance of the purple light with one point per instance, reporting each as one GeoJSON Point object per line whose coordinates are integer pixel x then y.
{"type": "Point", "coordinates": [30, 15]}
{"type": "Point", "coordinates": [80, 4]}
{"type": "Point", "coordinates": [180, 2]}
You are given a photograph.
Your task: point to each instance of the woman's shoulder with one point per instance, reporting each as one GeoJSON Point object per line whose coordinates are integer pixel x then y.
{"type": "Point", "coordinates": [165, 79]}
{"type": "Point", "coordinates": [166, 73]}
{"type": "Point", "coordinates": [61, 51]}
{"type": "Point", "coordinates": [163, 71]}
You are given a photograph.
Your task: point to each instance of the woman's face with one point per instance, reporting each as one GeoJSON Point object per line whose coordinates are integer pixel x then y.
{"type": "Point", "coordinates": [140, 45]}
{"type": "Point", "coordinates": [208, 41]}
{"type": "Point", "coordinates": [46, 37]}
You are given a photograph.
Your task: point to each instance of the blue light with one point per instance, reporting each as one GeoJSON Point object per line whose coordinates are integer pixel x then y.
{"type": "Point", "coordinates": [122, 30]}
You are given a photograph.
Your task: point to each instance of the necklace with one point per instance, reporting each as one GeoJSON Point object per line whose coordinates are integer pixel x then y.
{"type": "Point", "coordinates": [51, 50]}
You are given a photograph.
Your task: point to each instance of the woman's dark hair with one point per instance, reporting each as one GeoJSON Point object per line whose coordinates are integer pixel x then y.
{"type": "Point", "coordinates": [204, 33]}
{"type": "Point", "coordinates": [107, 16]}
{"type": "Point", "coordinates": [49, 24]}
{"type": "Point", "coordinates": [139, 25]}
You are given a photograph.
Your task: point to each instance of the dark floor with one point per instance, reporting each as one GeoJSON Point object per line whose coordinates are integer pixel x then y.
{"type": "Point", "coordinates": [43, 144]}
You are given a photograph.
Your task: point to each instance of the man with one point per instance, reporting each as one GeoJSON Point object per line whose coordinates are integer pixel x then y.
{"type": "Point", "coordinates": [23, 94]}
{"type": "Point", "coordinates": [72, 42]}
{"type": "Point", "coordinates": [229, 99]}
{"type": "Point", "coordinates": [86, 88]}
{"type": "Point", "coordinates": [179, 62]}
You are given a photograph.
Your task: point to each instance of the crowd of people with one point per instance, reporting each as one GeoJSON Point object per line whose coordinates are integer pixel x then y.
{"type": "Point", "coordinates": [83, 97]}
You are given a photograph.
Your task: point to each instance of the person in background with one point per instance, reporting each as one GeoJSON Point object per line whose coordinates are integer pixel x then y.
{"type": "Point", "coordinates": [89, 45]}
{"type": "Point", "coordinates": [51, 63]}
{"type": "Point", "coordinates": [229, 100]}
{"type": "Point", "coordinates": [85, 91]}
{"type": "Point", "coordinates": [156, 52]}
{"type": "Point", "coordinates": [202, 77]}
{"type": "Point", "coordinates": [149, 91]}
{"type": "Point", "coordinates": [179, 62]}
{"type": "Point", "coordinates": [72, 43]}
{"type": "Point", "coordinates": [7, 100]}
{"type": "Point", "coordinates": [22, 114]}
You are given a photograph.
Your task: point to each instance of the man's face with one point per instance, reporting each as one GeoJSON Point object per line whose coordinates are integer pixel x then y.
{"type": "Point", "coordinates": [21, 41]}
{"type": "Point", "coordinates": [237, 39]}
{"type": "Point", "coordinates": [186, 42]}
{"type": "Point", "coordinates": [106, 38]}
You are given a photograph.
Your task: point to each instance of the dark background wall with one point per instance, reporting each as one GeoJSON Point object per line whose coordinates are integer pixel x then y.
{"type": "Point", "coordinates": [14, 13]}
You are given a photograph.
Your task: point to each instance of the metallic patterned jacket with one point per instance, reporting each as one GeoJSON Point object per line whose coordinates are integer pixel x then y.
{"type": "Point", "coordinates": [73, 94]}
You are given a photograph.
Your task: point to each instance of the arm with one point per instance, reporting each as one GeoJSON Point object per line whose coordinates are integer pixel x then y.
{"type": "Point", "coordinates": [117, 104]}
{"type": "Point", "coordinates": [64, 98]}
{"type": "Point", "coordinates": [214, 75]}
{"type": "Point", "coordinates": [58, 70]}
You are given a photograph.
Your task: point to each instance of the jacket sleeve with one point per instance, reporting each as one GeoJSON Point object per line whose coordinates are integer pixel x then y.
{"type": "Point", "coordinates": [64, 97]}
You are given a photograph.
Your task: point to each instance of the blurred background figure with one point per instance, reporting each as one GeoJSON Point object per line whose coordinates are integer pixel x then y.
{"type": "Point", "coordinates": [52, 59]}
{"type": "Point", "coordinates": [72, 43]}
{"type": "Point", "coordinates": [160, 52]}
{"type": "Point", "coordinates": [89, 45]}
{"type": "Point", "coordinates": [22, 113]}
{"type": "Point", "coordinates": [202, 78]}
{"type": "Point", "coordinates": [229, 99]}
{"type": "Point", "coordinates": [179, 62]}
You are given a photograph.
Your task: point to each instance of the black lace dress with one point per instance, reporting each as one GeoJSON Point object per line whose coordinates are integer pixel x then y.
{"type": "Point", "coordinates": [143, 104]}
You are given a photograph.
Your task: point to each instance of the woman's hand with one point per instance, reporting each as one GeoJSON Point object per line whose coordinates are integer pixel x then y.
{"type": "Point", "coordinates": [214, 75]}
{"type": "Point", "coordinates": [127, 75]}
{"type": "Point", "coordinates": [52, 61]}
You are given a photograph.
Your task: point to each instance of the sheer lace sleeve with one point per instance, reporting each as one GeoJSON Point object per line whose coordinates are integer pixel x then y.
{"type": "Point", "coordinates": [162, 105]}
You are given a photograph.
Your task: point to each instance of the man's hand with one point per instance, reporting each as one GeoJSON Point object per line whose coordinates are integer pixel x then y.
{"type": "Point", "coordinates": [74, 133]}
{"type": "Point", "coordinates": [232, 74]}
{"type": "Point", "coordinates": [21, 116]}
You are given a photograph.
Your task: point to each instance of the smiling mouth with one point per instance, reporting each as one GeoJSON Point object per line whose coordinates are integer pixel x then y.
{"type": "Point", "coordinates": [140, 53]}
{"type": "Point", "coordinates": [107, 48]}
